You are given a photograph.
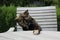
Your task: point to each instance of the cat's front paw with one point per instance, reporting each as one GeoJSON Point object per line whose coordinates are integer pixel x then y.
{"type": "Point", "coordinates": [36, 32]}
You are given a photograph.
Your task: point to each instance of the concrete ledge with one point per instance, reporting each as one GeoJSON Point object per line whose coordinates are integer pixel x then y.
{"type": "Point", "coordinates": [28, 35]}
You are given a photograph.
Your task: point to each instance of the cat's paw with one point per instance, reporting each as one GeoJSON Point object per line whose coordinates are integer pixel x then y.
{"type": "Point", "coordinates": [36, 32]}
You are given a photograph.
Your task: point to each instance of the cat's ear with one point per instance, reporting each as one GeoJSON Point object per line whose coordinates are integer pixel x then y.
{"type": "Point", "coordinates": [26, 12]}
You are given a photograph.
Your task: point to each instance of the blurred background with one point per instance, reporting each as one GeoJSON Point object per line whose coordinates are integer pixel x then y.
{"type": "Point", "coordinates": [8, 10]}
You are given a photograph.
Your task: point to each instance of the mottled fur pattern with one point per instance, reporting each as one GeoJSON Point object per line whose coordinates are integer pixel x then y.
{"type": "Point", "coordinates": [27, 22]}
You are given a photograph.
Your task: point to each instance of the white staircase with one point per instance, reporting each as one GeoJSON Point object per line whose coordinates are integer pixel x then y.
{"type": "Point", "coordinates": [45, 16]}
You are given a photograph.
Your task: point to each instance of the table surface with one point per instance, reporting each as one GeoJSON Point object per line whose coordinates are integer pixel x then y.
{"type": "Point", "coordinates": [28, 35]}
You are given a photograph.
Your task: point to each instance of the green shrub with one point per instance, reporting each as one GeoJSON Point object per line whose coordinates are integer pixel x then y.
{"type": "Point", "coordinates": [58, 18]}
{"type": "Point", "coordinates": [7, 15]}
{"type": "Point", "coordinates": [11, 14]}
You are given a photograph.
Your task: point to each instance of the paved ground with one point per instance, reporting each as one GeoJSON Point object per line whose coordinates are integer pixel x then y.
{"type": "Point", "coordinates": [28, 35]}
